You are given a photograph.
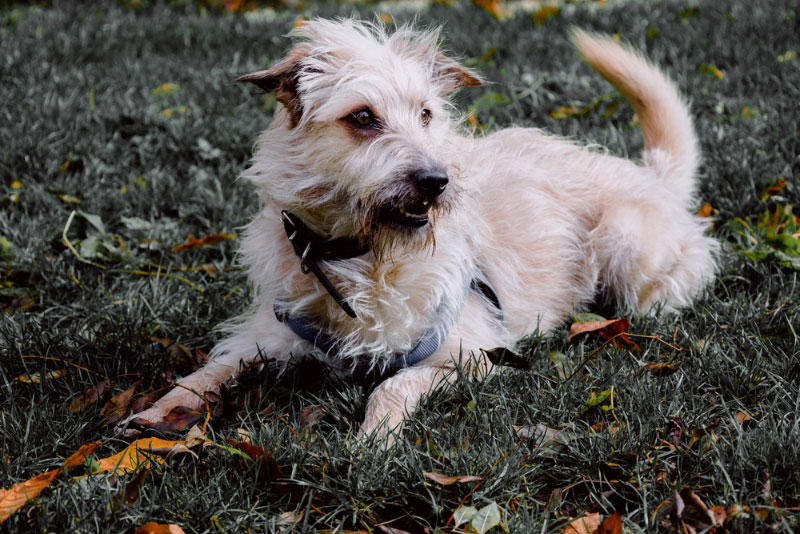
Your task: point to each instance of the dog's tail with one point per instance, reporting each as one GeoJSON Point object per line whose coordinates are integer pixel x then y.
{"type": "Point", "coordinates": [669, 138]}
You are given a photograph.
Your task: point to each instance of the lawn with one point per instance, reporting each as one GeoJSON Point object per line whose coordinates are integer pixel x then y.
{"type": "Point", "coordinates": [121, 138]}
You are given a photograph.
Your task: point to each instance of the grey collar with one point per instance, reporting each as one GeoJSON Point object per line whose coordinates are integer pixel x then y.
{"type": "Point", "coordinates": [443, 321]}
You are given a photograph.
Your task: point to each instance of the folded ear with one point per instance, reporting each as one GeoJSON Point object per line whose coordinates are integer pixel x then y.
{"type": "Point", "coordinates": [281, 79]}
{"type": "Point", "coordinates": [451, 74]}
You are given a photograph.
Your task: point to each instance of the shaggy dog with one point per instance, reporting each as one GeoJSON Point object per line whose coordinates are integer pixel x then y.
{"type": "Point", "coordinates": [388, 239]}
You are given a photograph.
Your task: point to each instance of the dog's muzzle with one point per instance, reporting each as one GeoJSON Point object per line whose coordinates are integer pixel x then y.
{"type": "Point", "coordinates": [412, 210]}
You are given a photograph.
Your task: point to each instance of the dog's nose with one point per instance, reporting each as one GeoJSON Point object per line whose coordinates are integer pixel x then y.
{"type": "Point", "coordinates": [430, 182]}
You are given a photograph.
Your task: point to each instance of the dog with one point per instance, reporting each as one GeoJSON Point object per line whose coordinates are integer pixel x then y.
{"type": "Point", "coordinates": [389, 239]}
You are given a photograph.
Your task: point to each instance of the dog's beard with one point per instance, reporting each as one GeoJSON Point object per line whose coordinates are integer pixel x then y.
{"type": "Point", "coordinates": [378, 220]}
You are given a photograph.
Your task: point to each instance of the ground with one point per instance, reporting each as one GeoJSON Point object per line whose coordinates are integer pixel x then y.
{"type": "Point", "coordinates": [121, 137]}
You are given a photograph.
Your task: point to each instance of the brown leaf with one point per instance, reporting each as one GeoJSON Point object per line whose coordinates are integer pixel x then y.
{"type": "Point", "coordinates": [611, 524]}
{"type": "Point", "coordinates": [616, 329]}
{"type": "Point", "coordinates": [312, 415]}
{"type": "Point", "coordinates": [130, 495]}
{"type": "Point", "coordinates": [588, 524]}
{"type": "Point", "coordinates": [177, 420]}
{"type": "Point", "coordinates": [660, 369]}
{"type": "Point", "coordinates": [20, 494]}
{"type": "Point", "coordinates": [268, 469]}
{"type": "Point", "coordinates": [157, 528]}
{"type": "Point", "coordinates": [143, 402]}
{"type": "Point", "coordinates": [116, 408]}
{"type": "Point", "coordinates": [207, 240]}
{"type": "Point", "coordinates": [506, 357]}
{"type": "Point", "coordinates": [705, 211]}
{"type": "Point", "coordinates": [90, 397]}
{"type": "Point", "coordinates": [445, 480]}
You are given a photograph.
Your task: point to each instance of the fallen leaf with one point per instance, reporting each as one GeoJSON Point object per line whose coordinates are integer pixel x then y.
{"type": "Point", "coordinates": [80, 456]}
{"type": "Point", "coordinates": [90, 397]}
{"type": "Point", "coordinates": [36, 378]}
{"type": "Point", "coordinates": [312, 415]}
{"type": "Point", "coordinates": [207, 240]}
{"type": "Point", "coordinates": [141, 453]}
{"type": "Point", "coordinates": [564, 112]}
{"type": "Point", "coordinates": [588, 524]}
{"type": "Point", "coordinates": [446, 480]}
{"type": "Point", "coordinates": [705, 68]}
{"type": "Point", "coordinates": [486, 518]}
{"type": "Point", "coordinates": [505, 357]}
{"type": "Point", "coordinates": [464, 514]}
{"type": "Point", "coordinates": [157, 528]}
{"type": "Point", "coordinates": [611, 524]}
{"type": "Point", "coordinates": [20, 494]}
{"type": "Point", "coordinates": [545, 13]}
{"type": "Point", "coordinates": [660, 369]}
{"type": "Point", "coordinates": [177, 420]}
{"type": "Point", "coordinates": [705, 211]}
{"type": "Point", "coordinates": [116, 408]}
{"type": "Point", "coordinates": [614, 329]}
{"type": "Point", "coordinates": [495, 8]}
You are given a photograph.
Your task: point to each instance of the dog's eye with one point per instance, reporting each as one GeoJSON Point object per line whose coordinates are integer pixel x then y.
{"type": "Point", "coordinates": [425, 117]}
{"type": "Point", "coordinates": [364, 118]}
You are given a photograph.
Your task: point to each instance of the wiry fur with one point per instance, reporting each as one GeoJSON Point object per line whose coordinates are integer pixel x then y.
{"type": "Point", "coordinates": [549, 222]}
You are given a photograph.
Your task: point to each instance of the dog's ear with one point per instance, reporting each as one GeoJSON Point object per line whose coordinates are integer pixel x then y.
{"type": "Point", "coordinates": [281, 79]}
{"type": "Point", "coordinates": [451, 74]}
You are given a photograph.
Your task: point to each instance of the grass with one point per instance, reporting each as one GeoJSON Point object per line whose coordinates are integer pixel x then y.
{"type": "Point", "coordinates": [87, 123]}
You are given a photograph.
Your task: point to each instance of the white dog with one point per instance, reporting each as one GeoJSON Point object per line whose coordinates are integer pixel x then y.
{"type": "Point", "coordinates": [389, 239]}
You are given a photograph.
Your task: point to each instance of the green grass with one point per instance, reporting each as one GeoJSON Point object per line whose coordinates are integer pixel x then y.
{"type": "Point", "coordinates": [79, 85]}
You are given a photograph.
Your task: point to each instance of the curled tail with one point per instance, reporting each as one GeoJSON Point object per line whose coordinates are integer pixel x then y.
{"type": "Point", "coordinates": [669, 137]}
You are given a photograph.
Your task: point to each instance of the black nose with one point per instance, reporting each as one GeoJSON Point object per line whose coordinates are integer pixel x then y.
{"type": "Point", "coordinates": [430, 182]}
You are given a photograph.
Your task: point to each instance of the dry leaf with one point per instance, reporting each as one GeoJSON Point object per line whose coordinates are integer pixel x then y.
{"type": "Point", "coordinates": [116, 408]}
{"type": "Point", "coordinates": [505, 357]}
{"type": "Point", "coordinates": [545, 13]}
{"type": "Point", "coordinates": [140, 453]}
{"type": "Point", "coordinates": [207, 240]}
{"type": "Point", "coordinates": [90, 397]}
{"type": "Point", "coordinates": [36, 378]}
{"type": "Point", "coordinates": [588, 524]}
{"type": "Point", "coordinates": [18, 495]}
{"type": "Point", "coordinates": [495, 8]}
{"type": "Point", "coordinates": [157, 528]}
{"type": "Point", "coordinates": [445, 480]}
{"type": "Point", "coordinates": [83, 452]}
{"type": "Point", "coordinates": [611, 524]}
{"type": "Point", "coordinates": [177, 420]}
{"type": "Point", "coordinates": [660, 369]}
{"type": "Point", "coordinates": [616, 329]}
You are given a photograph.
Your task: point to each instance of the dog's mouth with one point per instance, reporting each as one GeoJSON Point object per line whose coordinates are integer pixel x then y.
{"type": "Point", "coordinates": [414, 215]}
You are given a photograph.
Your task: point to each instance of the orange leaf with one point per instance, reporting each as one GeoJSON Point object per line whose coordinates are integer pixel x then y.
{"type": "Point", "coordinates": [18, 495]}
{"type": "Point", "coordinates": [611, 525]}
{"type": "Point", "coordinates": [207, 240]}
{"type": "Point", "coordinates": [588, 524]}
{"type": "Point", "coordinates": [545, 13]}
{"type": "Point", "coordinates": [139, 453]}
{"type": "Point", "coordinates": [495, 8]}
{"type": "Point", "coordinates": [83, 452]}
{"type": "Point", "coordinates": [705, 211]}
{"type": "Point", "coordinates": [158, 528]}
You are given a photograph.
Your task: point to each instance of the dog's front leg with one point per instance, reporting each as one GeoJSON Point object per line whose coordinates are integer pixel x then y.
{"type": "Point", "coordinates": [396, 397]}
{"type": "Point", "coordinates": [260, 334]}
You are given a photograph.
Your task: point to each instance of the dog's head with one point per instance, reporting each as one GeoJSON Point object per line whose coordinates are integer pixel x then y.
{"type": "Point", "coordinates": [361, 145]}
